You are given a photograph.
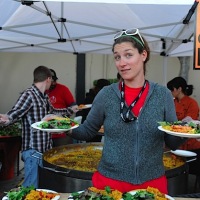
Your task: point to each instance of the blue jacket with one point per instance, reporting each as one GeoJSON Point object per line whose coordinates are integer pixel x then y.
{"type": "Point", "coordinates": [132, 152]}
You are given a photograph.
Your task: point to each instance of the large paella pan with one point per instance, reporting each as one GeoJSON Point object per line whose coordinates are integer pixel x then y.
{"type": "Point", "coordinates": [81, 160]}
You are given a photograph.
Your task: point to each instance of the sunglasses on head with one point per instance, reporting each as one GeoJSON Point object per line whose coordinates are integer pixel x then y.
{"type": "Point", "coordinates": [129, 32]}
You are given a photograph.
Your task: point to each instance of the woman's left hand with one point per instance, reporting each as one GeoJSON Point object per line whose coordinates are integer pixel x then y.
{"type": "Point", "coordinates": [75, 108]}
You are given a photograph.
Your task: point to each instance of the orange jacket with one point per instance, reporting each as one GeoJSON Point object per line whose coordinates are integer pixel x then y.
{"type": "Point", "coordinates": [188, 106]}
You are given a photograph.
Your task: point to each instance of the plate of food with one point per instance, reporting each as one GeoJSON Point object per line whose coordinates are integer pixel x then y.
{"type": "Point", "coordinates": [184, 153]}
{"type": "Point", "coordinates": [180, 134]}
{"type": "Point", "coordinates": [141, 194]}
{"type": "Point", "coordinates": [180, 129]}
{"type": "Point", "coordinates": [31, 193]}
{"type": "Point", "coordinates": [93, 193]}
{"type": "Point", "coordinates": [48, 194]}
{"type": "Point", "coordinates": [84, 106]}
{"type": "Point", "coordinates": [56, 124]}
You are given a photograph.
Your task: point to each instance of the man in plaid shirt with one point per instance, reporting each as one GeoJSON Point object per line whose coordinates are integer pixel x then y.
{"type": "Point", "coordinates": [32, 106]}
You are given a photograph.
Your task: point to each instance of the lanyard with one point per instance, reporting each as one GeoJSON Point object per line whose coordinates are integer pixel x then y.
{"type": "Point", "coordinates": [125, 116]}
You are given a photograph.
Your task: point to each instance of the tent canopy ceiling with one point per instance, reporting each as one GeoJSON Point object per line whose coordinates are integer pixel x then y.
{"type": "Point", "coordinates": [89, 26]}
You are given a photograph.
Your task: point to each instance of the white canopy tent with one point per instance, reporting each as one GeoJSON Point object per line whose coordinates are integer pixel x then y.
{"type": "Point", "coordinates": [89, 26]}
{"type": "Point", "coordinates": [176, 2]}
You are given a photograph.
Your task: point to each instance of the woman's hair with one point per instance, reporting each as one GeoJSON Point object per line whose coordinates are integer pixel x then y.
{"type": "Point", "coordinates": [101, 83]}
{"type": "Point", "coordinates": [41, 73]}
{"type": "Point", "coordinates": [180, 82]}
{"type": "Point", "coordinates": [136, 44]}
{"type": "Point", "coordinates": [118, 76]}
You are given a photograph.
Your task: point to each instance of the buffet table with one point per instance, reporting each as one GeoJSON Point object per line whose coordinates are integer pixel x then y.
{"type": "Point", "coordinates": [64, 196]}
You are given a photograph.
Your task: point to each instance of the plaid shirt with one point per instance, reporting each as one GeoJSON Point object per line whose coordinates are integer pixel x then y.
{"type": "Point", "coordinates": [31, 107]}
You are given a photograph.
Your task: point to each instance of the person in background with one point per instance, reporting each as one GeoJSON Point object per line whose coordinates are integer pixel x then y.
{"type": "Point", "coordinates": [32, 106]}
{"type": "Point", "coordinates": [92, 94]}
{"type": "Point", "coordinates": [186, 106]}
{"type": "Point", "coordinates": [60, 97]}
{"type": "Point", "coordinates": [130, 110]}
{"type": "Point", "coordinates": [89, 100]}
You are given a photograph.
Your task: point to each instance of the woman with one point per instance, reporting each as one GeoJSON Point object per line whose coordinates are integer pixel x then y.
{"type": "Point", "coordinates": [130, 110]}
{"type": "Point", "coordinates": [186, 107]}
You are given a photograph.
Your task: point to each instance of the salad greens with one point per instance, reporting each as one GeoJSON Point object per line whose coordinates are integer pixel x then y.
{"type": "Point", "coordinates": [171, 123]}
{"type": "Point", "coordinates": [58, 124]}
{"type": "Point", "coordinates": [191, 124]}
{"type": "Point", "coordinates": [90, 195]}
{"type": "Point", "coordinates": [139, 195]}
{"type": "Point", "coordinates": [19, 193]}
{"type": "Point", "coordinates": [14, 129]}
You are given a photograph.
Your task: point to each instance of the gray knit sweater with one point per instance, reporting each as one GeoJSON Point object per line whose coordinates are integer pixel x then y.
{"type": "Point", "coordinates": [132, 152]}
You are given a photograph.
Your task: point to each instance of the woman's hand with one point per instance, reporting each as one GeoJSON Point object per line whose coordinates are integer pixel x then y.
{"type": "Point", "coordinates": [69, 133]}
{"type": "Point", "coordinates": [75, 108]}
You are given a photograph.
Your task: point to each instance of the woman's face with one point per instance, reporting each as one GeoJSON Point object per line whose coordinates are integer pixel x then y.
{"type": "Point", "coordinates": [129, 63]}
{"type": "Point", "coordinates": [176, 92]}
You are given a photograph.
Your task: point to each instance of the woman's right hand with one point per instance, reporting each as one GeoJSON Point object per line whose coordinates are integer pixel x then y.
{"type": "Point", "coordinates": [69, 133]}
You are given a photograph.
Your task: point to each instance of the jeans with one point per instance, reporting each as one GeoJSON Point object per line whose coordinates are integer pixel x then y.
{"type": "Point", "coordinates": [32, 159]}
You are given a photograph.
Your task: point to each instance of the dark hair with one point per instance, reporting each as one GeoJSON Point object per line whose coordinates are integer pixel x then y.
{"type": "Point", "coordinates": [180, 82]}
{"type": "Point", "coordinates": [41, 73]}
{"type": "Point", "coordinates": [135, 44]}
{"type": "Point", "coordinates": [101, 83]}
{"type": "Point", "coordinates": [53, 73]}
{"type": "Point", "coordinates": [118, 76]}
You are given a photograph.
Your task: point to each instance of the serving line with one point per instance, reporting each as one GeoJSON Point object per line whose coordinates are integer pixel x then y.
{"type": "Point", "coordinates": [64, 196]}
{"type": "Point", "coordinates": [195, 196]}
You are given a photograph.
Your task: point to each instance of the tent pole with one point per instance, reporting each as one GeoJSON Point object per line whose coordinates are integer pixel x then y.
{"type": "Point", "coordinates": [165, 65]}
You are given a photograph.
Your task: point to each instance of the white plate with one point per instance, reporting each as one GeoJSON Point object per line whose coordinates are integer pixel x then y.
{"type": "Point", "coordinates": [184, 153]}
{"type": "Point", "coordinates": [86, 106]}
{"type": "Point", "coordinates": [45, 190]}
{"type": "Point", "coordinates": [35, 126]}
{"type": "Point", "coordinates": [187, 135]}
{"type": "Point", "coordinates": [166, 196]}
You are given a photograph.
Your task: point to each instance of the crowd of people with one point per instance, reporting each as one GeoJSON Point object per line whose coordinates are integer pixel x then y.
{"type": "Point", "coordinates": [129, 110]}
